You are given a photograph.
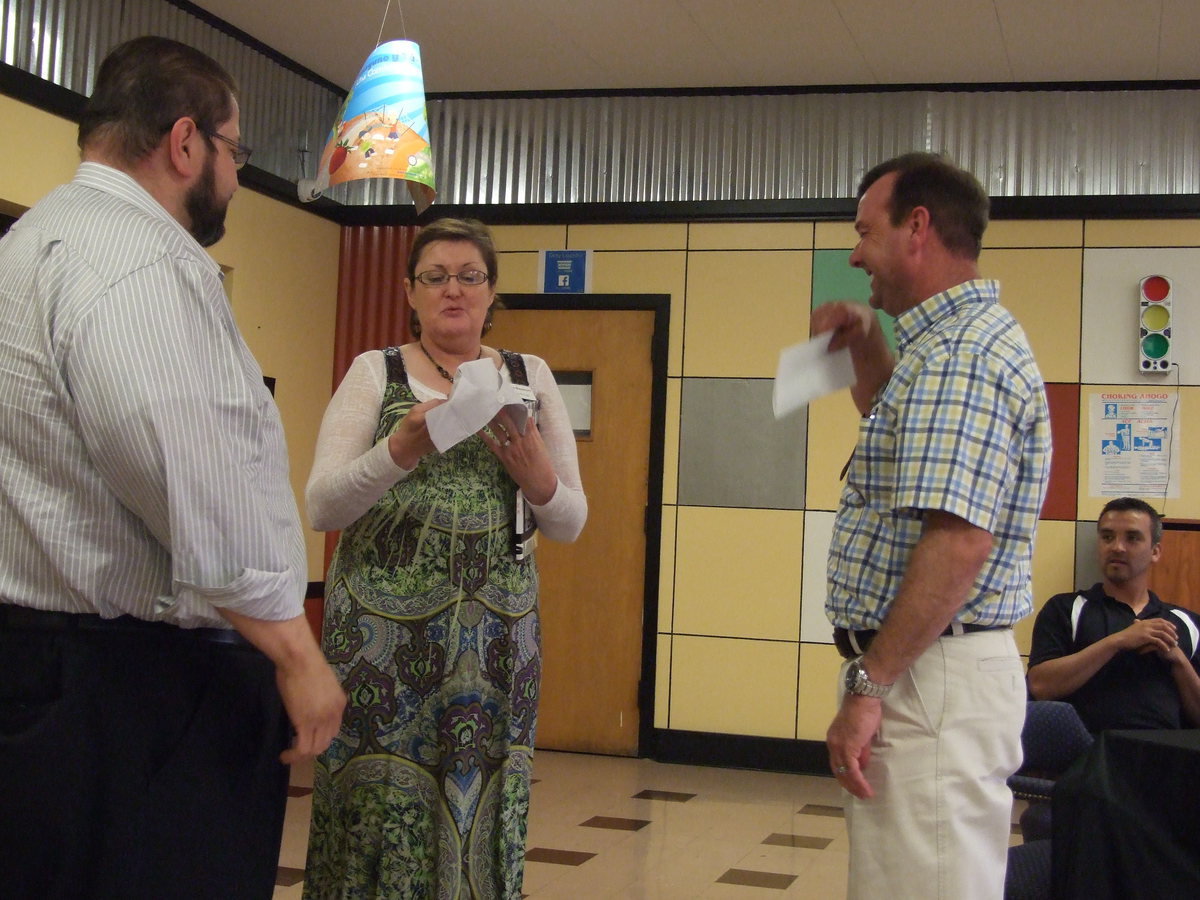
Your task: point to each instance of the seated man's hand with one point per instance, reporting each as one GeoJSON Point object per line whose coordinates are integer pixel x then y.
{"type": "Point", "coordinates": [1150, 636]}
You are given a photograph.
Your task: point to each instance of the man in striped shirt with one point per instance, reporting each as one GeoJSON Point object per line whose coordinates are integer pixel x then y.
{"type": "Point", "coordinates": [153, 646]}
{"type": "Point", "coordinates": [930, 557]}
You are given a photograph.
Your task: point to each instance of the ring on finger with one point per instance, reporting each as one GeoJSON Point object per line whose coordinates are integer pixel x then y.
{"type": "Point", "coordinates": [840, 770]}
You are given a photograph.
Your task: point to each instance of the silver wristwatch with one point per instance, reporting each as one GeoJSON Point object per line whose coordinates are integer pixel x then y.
{"type": "Point", "coordinates": [859, 682]}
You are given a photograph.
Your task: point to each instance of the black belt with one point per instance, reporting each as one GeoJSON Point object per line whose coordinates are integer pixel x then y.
{"type": "Point", "coordinates": [16, 618]}
{"type": "Point", "coordinates": [851, 644]}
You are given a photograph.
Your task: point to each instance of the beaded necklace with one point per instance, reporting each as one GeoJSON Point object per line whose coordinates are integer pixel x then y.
{"type": "Point", "coordinates": [441, 371]}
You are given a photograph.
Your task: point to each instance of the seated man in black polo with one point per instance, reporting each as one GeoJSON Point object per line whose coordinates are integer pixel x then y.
{"type": "Point", "coordinates": [1122, 657]}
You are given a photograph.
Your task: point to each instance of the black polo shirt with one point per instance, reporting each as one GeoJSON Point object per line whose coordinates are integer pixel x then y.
{"type": "Point", "coordinates": [1132, 690]}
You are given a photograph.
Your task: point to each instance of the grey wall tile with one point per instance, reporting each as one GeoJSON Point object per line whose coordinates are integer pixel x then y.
{"type": "Point", "coordinates": [732, 451]}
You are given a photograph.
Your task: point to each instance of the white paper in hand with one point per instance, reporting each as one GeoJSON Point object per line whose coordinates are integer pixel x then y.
{"type": "Point", "coordinates": [808, 371]}
{"type": "Point", "coordinates": [479, 393]}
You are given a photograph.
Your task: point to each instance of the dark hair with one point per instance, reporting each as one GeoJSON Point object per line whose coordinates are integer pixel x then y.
{"type": "Point", "coordinates": [1133, 504]}
{"type": "Point", "coordinates": [957, 203]}
{"type": "Point", "coordinates": [470, 230]}
{"type": "Point", "coordinates": [145, 86]}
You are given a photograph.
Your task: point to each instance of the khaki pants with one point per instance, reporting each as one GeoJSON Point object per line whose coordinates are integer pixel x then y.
{"type": "Point", "coordinates": [939, 822]}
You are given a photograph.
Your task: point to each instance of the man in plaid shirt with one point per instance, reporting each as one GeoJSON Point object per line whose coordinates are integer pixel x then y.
{"type": "Point", "coordinates": [930, 560]}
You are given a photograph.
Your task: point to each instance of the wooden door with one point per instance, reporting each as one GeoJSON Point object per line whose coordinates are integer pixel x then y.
{"type": "Point", "coordinates": [593, 591]}
{"type": "Point", "coordinates": [1176, 575]}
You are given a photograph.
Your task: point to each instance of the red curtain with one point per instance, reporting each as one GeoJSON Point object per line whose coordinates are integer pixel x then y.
{"type": "Point", "coordinates": [371, 311]}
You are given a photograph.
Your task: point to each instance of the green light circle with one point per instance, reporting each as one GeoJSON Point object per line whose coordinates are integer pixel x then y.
{"type": "Point", "coordinates": [1155, 346]}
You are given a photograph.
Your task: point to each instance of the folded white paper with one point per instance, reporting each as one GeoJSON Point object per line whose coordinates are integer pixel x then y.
{"type": "Point", "coordinates": [478, 394]}
{"type": "Point", "coordinates": [808, 371]}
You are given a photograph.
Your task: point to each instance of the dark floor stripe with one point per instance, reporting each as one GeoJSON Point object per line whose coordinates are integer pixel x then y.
{"type": "Point", "coordinates": [816, 809]}
{"type": "Point", "coordinates": [615, 823]}
{"type": "Point", "coordinates": [750, 878]}
{"type": "Point", "coordinates": [285, 877]}
{"type": "Point", "coordinates": [557, 857]}
{"type": "Point", "coordinates": [669, 796]}
{"type": "Point", "coordinates": [798, 840]}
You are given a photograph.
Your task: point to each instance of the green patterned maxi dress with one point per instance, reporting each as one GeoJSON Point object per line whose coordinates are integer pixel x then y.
{"type": "Point", "coordinates": [432, 626]}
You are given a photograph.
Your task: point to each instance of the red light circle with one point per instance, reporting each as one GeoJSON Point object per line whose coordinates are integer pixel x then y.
{"type": "Point", "coordinates": [1156, 288]}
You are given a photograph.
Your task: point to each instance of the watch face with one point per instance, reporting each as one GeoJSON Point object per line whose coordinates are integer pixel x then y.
{"type": "Point", "coordinates": [853, 673]}
{"type": "Point", "coordinates": [859, 682]}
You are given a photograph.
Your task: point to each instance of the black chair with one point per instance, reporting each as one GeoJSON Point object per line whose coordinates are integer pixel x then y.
{"type": "Point", "coordinates": [1052, 739]}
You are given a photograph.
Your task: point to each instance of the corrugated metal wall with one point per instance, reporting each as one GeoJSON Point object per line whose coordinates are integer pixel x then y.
{"type": "Point", "coordinates": [641, 149]}
{"type": "Point", "coordinates": [806, 146]}
{"type": "Point", "coordinates": [63, 42]}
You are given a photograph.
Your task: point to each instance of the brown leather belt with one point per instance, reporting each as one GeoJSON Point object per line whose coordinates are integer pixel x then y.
{"type": "Point", "coordinates": [851, 644]}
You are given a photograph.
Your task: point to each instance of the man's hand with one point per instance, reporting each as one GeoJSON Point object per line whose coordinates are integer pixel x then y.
{"type": "Point", "coordinates": [1149, 636]}
{"type": "Point", "coordinates": [856, 326]}
{"type": "Point", "coordinates": [310, 691]}
{"type": "Point", "coordinates": [849, 742]}
{"type": "Point", "coordinates": [314, 702]}
{"type": "Point", "coordinates": [850, 323]}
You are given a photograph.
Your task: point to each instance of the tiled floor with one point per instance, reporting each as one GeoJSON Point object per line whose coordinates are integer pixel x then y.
{"type": "Point", "coordinates": [609, 827]}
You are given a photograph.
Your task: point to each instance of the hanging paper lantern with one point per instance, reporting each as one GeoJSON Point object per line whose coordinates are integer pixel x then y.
{"type": "Point", "coordinates": [382, 130]}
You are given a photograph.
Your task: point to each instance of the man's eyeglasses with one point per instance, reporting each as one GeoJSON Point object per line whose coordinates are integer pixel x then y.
{"type": "Point", "coordinates": [467, 278]}
{"type": "Point", "coordinates": [241, 153]}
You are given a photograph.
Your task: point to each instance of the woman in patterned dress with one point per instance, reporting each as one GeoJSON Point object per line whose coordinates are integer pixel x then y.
{"type": "Point", "coordinates": [431, 616]}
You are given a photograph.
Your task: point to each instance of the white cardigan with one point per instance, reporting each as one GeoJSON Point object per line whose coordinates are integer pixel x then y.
{"type": "Point", "coordinates": [351, 470]}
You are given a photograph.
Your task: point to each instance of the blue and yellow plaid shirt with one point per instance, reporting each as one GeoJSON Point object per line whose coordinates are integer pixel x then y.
{"type": "Point", "coordinates": [962, 426]}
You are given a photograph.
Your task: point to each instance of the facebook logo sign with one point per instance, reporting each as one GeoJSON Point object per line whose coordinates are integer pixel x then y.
{"type": "Point", "coordinates": [565, 271]}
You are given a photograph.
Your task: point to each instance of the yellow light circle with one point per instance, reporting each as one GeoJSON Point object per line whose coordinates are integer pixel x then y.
{"type": "Point", "coordinates": [1156, 318]}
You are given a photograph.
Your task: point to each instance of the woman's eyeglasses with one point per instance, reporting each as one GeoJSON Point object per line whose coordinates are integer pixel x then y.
{"type": "Point", "coordinates": [468, 278]}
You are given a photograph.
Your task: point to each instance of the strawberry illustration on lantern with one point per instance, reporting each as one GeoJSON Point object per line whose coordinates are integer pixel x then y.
{"type": "Point", "coordinates": [340, 150]}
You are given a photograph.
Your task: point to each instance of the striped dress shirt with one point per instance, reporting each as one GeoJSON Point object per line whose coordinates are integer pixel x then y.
{"type": "Point", "coordinates": [144, 468]}
{"type": "Point", "coordinates": [962, 426]}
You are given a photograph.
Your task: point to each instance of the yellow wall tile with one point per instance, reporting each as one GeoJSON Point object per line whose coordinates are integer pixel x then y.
{"type": "Point", "coordinates": [1053, 572]}
{"type": "Point", "coordinates": [671, 441]}
{"type": "Point", "coordinates": [817, 704]}
{"type": "Point", "coordinates": [27, 176]}
{"type": "Point", "coordinates": [750, 236]}
{"type": "Point", "coordinates": [737, 572]}
{"type": "Point", "coordinates": [1142, 233]}
{"type": "Point", "coordinates": [733, 686]}
{"type": "Point", "coordinates": [1187, 419]}
{"type": "Point", "coordinates": [1043, 289]}
{"type": "Point", "coordinates": [511, 238]}
{"type": "Point", "coordinates": [671, 236]}
{"type": "Point", "coordinates": [814, 586]}
{"type": "Point", "coordinates": [284, 297]}
{"type": "Point", "coordinates": [518, 274]}
{"type": "Point", "coordinates": [743, 308]}
{"type": "Point", "coordinates": [833, 422]}
{"type": "Point", "coordinates": [661, 272]}
{"type": "Point", "coordinates": [666, 570]}
{"type": "Point", "coordinates": [1034, 233]}
{"type": "Point", "coordinates": [662, 682]}
{"type": "Point", "coordinates": [835, 235]}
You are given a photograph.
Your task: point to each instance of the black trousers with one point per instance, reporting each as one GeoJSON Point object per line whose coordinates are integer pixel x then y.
{"type": "Point", "coordinates": [139, 764]}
